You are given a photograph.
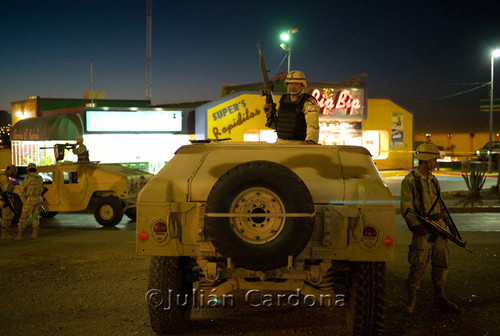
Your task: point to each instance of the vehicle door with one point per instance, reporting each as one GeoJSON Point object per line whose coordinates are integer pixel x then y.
{"type": "Point", "coordinates": [51, 193]}
{"type": "Point", "coordinates": [73, 187]}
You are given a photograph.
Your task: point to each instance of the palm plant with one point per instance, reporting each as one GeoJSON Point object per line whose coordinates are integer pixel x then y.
{"type": "Point", "coordinates": [475, 181]}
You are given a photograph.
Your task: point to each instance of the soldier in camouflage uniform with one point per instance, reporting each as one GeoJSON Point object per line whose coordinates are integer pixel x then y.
{"type": "Point", "coordinates": [31, 195]}
{"type": "Point", "coordinates": [7, 187]}
{"type": "Point", "coordinates": [80, 150]}
{"type": "Point", "coordinates": [420, 191]}
{"type": "Point", "coordinates": [296, 120]}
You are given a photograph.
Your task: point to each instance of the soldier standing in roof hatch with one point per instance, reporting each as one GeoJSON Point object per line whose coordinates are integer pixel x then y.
{"type": "Point", "coordinates": [81, 150]}
{"type": "Point", "coordinates": [419, 192]}
{"type": "Point", "coordinates": [296, 120]}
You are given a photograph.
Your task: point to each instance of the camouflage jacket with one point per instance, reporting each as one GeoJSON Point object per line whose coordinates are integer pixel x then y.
{"type": "Point", "coordinates": [31, 188]}
{"type": "Point", "coordinates": [420, 193]}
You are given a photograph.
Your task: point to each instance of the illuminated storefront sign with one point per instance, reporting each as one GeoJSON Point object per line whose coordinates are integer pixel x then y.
{"type": "Point", "coordinates": [340, 133]}
{"type": "Point", "coordinates": [133, 121]}
{"type": "Point", "coordinates": [341, 103]}
{"type": "Point", "coordinates": [234, 117]}
{"type": "Point", "coordinates": [342, 100]}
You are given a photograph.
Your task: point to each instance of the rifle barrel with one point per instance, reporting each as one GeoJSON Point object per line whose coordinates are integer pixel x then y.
{"type": "Point", "coordinates": [435, 227]}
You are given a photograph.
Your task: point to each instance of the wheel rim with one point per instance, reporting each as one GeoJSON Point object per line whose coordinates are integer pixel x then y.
{"type": "Point", "coordinates": [106, 212]}
{"type": "Point", "coordinates": [257, 230]}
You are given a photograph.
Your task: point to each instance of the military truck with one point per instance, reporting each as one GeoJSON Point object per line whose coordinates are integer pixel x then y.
{"type": "Point", "coordinates": [109, 190]}
{"type": "Point", "coordinates": [314, 221]}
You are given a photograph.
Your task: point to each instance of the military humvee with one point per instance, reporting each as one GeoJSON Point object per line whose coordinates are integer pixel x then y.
{"type": "Point", "coordinates": [109, 190]}
{"type": "Point", "coordinates": [314, 221]}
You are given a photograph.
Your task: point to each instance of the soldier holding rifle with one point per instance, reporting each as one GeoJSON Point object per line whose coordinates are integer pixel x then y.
{"type": "Point", "coordinates": [297, 115]}
{"type": "Point", "coordinates": [80, 150]}
{"type": "Point", "coordinates": [296, 120]}
{"type": "Point", "coordinates": [6, 188]}
{"type": "Point", "coordinates": [421, 203]}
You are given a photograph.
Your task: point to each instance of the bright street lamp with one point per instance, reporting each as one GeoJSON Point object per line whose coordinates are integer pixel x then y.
{"type": "Point", "coordinates": [494, 54]}
{"type": "Point", "coordinates": [287, 43]}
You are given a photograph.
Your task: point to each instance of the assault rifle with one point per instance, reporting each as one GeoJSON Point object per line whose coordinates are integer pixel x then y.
{"type": "Point", "coordinates": [59, 150]}
{"type": "Point", "coordinates": [9, 202]}
{"type": "Point", "coordinates": [435, 228]}
{"type": "Point", "coordinates": [62, 146]}
{"type": "Point", "coordinates": [268, 91]}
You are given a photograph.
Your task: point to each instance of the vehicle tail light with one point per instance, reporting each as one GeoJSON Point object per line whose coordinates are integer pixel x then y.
{"type": "Point", "coordinates": [369, 231]}
{"type": "Point", "coordinates": [160, 231]}
{"type": "Point", "coordinates": [160, 227]}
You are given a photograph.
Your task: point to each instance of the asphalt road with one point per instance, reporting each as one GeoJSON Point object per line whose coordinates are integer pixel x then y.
{"type": "Point", "coordinates": [79, 278]}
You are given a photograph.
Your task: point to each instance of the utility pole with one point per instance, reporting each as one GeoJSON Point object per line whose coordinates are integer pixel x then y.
{"type": "Point", "coordinates": [91, 85]}
{"type": "Point", "coordinates": [149, 20]}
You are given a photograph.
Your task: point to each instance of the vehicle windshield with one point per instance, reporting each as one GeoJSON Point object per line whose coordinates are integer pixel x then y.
{"type": "Point", "coordinates": [494, 144]}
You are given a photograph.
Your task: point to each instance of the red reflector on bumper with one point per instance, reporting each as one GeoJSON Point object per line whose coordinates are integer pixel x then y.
{"type": "Point", "coordinates": [143, 235]}
{"type": "Point", "coordinates": [388, 241]}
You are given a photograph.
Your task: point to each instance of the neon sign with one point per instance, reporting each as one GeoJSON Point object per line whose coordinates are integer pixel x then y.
{"type": "Point", "coordinates": [342, 100]}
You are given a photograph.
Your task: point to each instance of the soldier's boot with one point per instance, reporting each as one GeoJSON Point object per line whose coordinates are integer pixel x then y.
{"type": "Point", "coordinates": [5, 234]}
{"type": "Point", "coordinates": [34, 234]}
{"type": "Point", "coordinates": [442, 302]}
{"type": "Point", "coordinates": [410, 304]}
{"type": "Point", "coordinates": [19, 234]}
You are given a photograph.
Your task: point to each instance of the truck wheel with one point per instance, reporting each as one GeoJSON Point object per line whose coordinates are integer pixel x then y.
{"type": "Point", "coordinates": [260, 242]}
{"type": "Point", "coordinates": [170, 294]}
{"type": "Point", "coordinates": [108, 211]}
{"type": "Point", "coordinates": [367, 305]}
{"type": "Point", "coordinates": [131, 213]}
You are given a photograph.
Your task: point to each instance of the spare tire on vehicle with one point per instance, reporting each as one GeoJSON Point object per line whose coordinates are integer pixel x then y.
{"type": "Point", "coordinates": [257, 190]}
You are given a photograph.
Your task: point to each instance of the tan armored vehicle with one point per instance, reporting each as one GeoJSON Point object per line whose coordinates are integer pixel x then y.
{"type": "Point", "coordinates": [258, 217]}
{"type": "Point", "coordinates": [109, 190]}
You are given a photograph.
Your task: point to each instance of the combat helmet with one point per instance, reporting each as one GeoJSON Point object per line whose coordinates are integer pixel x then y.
{"type": "Point", "coordinates": [296, 76]}
{"type": "Point", "coordinates": [32, 167]}
{"type": "Point", "coordinates": [12, 168]}
{"type": "Point", "coordinates": [427, 151]}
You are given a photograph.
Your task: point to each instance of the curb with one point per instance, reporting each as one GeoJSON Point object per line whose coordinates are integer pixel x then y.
{"type": "Point", "coordinates": [404, 172]}
{"type": "Point", "coordinates": [466, 209]}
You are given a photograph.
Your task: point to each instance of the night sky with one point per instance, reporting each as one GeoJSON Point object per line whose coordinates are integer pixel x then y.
{"type": "Point", "coordinates": [415, 53]}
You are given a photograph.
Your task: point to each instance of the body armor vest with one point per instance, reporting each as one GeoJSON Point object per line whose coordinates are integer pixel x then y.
{"type": "Point", "coordinates": [83, 156]}
{"type": "Point", "coordinates": [291, 124]}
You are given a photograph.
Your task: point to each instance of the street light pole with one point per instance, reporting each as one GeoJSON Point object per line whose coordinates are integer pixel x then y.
{"type": "Point", "coordinates": [494, 54]}
{"type": "Point", "coordinates": [289, 55]}
{"type": "Point", "coordinates": [287, 37]}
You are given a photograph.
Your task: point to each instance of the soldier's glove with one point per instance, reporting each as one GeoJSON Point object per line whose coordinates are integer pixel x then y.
{"type": "Point", "coordinates": [309, 142]}
{"type": "Point", "coordinates": [267, 109]}
{"type": "Point", "coordinates": [265, 92]}
{"type": "Point", "coordinates": [420, 230]}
